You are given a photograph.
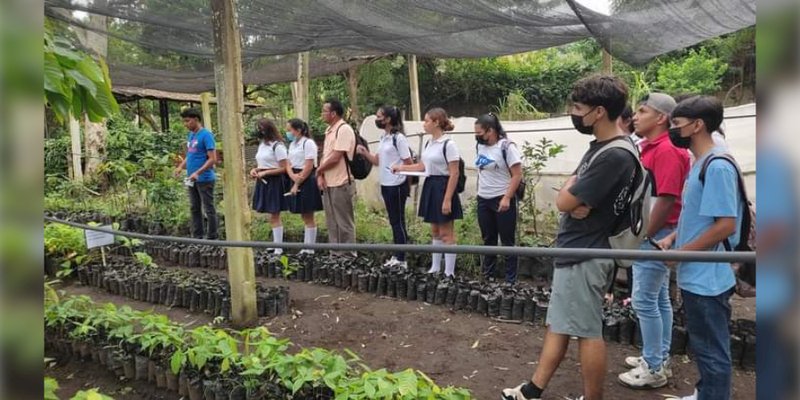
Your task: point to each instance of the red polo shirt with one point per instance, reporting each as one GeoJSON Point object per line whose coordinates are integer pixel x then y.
{"type": "Point", "coordinates": [669, 167]}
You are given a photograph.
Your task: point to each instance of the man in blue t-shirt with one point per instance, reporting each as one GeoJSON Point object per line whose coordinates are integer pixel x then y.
{"type": "Point", "coordinates": [712, 212]}
{"type": "Point", "coordinates": [201, 155]}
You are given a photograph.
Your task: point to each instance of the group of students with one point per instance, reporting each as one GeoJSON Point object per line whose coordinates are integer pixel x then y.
{"type": "Point", "coordinates": [285, 180]}
{"type": "Point", "coordinates": [698, 207]}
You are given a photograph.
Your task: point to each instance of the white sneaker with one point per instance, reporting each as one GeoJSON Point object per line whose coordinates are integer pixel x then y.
{"type": "Point", "coordinates": [391, 262]}
{"type": "Point", "coordinates": [693, 396]}
{"type": "Point", "coordinates": [514, 393]}
{"type": "Point", "coordinates": [643, 377]}
{"type": "Point", "coordinates": [635, 362]}
{"type": "Point", "coordinates": [402, 264]}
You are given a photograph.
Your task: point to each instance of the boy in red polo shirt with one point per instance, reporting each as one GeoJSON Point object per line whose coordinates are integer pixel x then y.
{"type": "Point", "coordinates": [669, 167]}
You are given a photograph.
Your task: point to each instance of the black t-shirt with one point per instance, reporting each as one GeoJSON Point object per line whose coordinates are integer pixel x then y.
{"type": "Point", "coordinates": [606, 187]}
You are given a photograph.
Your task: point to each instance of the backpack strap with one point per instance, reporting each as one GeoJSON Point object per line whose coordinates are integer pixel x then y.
{"type": "Point", "coordinates": [346, 162]}
{"type": "Point", "coordinates": [625, 143]}
{"type": "Point", "coordinates": [444, 151]}
{"type": "Point", "coordinates": [504, 150]}
{"type": "Point", "coordinates": [742, 189]}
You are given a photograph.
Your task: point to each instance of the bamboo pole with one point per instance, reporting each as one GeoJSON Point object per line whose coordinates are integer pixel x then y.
{"type": "Point", "coordinates": [76, 156]}
{"type": "Point", "coordinates": [301, 88]}
{"type": "Point", "coordinates": [205, 101]}
{"type": "Point", "coordinates": [416, 113]}
{"type": "Point", "coordinates": [230, 107]}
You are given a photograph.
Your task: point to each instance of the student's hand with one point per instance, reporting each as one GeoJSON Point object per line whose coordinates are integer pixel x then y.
{"type": "Point", "coordinates": [447, 206]}
{"type": "Point", "coordinates": [505, 204]}
{"type": "Point", "coordinates": [666, 243]}
{"type": "Point", "coordinates": [294, 177]}
{"type": "Point", "coordinates": [397, 168]}
{"type": "Point", "coordinates": [194, 176]}
{"type": "Point", "coordinates": [253, 173]}
{"type": "Point", "coordinates": [362, 150]}
{"type": "Point", "coordinates": [609, 297]}
{"type": "Point", "coordinates": [294, 189]}
{"type": "Point", "coordinates": [321, 183]}
{"type": "Point", "coordinates": [580, 212]}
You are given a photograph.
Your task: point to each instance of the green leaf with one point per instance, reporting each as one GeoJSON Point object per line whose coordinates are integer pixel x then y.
{"type": "Point", "coordinates": [50, 387]}
{"type": "Point", "coordinates": [226, 365]}
{"type": "Point", "coordinates": [407, 383]}
{"type": "Point", "coordinates": [176, 362]}
{"type": "Point", "coordinates": [369, 389]}
{"type": "Point", "coordinates": [89, 68]}
{"type": "Point", "coordinates": [83, 81]}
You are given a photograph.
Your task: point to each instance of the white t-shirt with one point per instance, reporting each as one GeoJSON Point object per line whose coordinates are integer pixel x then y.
{"type": "Point", "coordinates": [266, 157]}
{"type": "Point", "coordinates": [300, 150]}
{"type": "Point", "coordinates": [433, 158]}
{"type": "Point", "coordinates": [494, 175]}
{"type": "Point", "coordinates": [389, 155]}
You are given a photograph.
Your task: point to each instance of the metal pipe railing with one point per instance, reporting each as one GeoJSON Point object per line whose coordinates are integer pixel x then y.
{"type": "Point", "coordinates": [704, 256]}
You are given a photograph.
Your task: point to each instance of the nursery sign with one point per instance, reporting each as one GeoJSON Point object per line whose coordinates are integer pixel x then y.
{"type": "Point", "coordinates": [96, 239]}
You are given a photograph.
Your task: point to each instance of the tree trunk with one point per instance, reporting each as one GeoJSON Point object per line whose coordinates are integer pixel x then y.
{"type": "Point", "coordinates": [230, 107]}
{"type": "Point", "coordinates": [352, 88]}
{"type": "Point", "coordinates": [95, 132]}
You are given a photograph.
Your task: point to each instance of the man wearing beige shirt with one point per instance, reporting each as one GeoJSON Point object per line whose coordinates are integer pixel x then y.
{"type": "Point", "coordinates": [334, 177]}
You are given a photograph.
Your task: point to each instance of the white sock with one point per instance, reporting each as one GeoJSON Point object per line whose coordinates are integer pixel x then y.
{"type": "Point", "coordinates": [436, 258]}
{"type": "Point", "coordinates": [277, 237]}
{"type": "Point", "coordinates": [450, 264]}
{"type": "Point", "coordinates": [310, 238]}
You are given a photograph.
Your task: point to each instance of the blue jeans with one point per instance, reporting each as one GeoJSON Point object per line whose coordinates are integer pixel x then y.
{"type": "Point", "coordinates": [709, 339]}
{"type": "Point", "coordinates": [652, 305]}
{"type": "Point", "coordinates": [492, 224]}
{"type": "Point", "coordinates": [394, 197]}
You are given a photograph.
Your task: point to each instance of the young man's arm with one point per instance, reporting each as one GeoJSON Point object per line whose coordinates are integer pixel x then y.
{"type": "Point", "coordinates": [212, 159]}
{"type": "Point", "coordinates": [596, 183]}
{"type": "Point", "coordinates": [662, 207]}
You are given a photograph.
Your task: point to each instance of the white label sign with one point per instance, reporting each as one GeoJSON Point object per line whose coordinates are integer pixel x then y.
{"type": "Point", "coordinates": [96, 239]}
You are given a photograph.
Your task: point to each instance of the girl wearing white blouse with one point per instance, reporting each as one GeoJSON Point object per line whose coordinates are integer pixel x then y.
{"type": "Point", "coordinates": [270, 177]}
{"type": "Point", "coordinates": [305, 197]}
{"type": "Point", "coordinates": [439, 205]}
{"type": "Point", "coordinates": [393, 150]}
{"type": "Point", "coordinates": [499, 167]}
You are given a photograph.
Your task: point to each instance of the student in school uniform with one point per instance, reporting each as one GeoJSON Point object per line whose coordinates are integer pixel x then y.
{"type": "Point", "coordinates": [393, 150]}
{"type": "Point", "coordinates": [499, 166]}
{"type": "Point", "coordinates": [270, 177]}
{"type": "Point", "coordinates": [305, 196]}
{"type": "Point", "coordinates": [439, 204]}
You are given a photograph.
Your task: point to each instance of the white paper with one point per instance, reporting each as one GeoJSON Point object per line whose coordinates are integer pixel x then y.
{"type": "Point", "coordinates": [412, 173]}
{"type": "Point", "coordinates": [96, 239]}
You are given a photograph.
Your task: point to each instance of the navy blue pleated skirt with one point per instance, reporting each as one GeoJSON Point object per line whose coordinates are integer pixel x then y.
{"type": "Point", "coordinates": [430, 202]}
{"type": "Point", "coordinates": [309, 199]}
{"type": "Point", "coordinates": [268, 197]}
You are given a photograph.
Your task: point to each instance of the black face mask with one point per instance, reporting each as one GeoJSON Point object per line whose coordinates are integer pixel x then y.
{"type": "Point", "coordinates": [678, 140]}
{"type": "Point", "coordinates": [577, 122]}
{"type": "Point", "coordinates": [480, 139]}
{"type": "Point", "coordinates": [381, 124]}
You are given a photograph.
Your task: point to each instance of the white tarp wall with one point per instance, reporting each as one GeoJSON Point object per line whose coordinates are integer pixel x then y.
{"type": "Point", "coordinates": [739, 128]}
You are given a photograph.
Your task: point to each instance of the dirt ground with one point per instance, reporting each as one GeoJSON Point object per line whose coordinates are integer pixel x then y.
{"type": "Point", "coordinates": [453, 348]}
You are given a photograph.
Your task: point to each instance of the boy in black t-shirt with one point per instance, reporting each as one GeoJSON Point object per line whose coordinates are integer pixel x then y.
{"type": "Point", "coordinates": [593, 203]}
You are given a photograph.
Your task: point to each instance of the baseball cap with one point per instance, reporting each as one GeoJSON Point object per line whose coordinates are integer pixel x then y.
{"type": "Point", "coordinates": [660, 102]}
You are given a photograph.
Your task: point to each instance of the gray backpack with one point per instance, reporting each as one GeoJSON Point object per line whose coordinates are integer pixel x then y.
{"type": "Point", "coordinates": [639, 203]}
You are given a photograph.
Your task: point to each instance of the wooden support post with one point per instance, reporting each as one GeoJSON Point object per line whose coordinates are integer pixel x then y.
{"type": "Point", "coordinates": [76, 156]}
{"type": "Point", "coordinates": [205, 101]}
{"type": "Point", "coordinates": [416, 113]}
{"type": "Point", "coordinates": [607, 62]}
{"type": "Point", "coordinates": [413, 81]}
{"type": "Point", "coordinates": [301, 88]}
{"type": "Point", "coordinates": [352, 91]}
{"type": "Point", "coordinates": [163, 111]}
{"type": "Point", "coordinates": [230, 107]}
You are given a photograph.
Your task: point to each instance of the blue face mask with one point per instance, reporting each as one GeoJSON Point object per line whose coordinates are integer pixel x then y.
{"type": "Point", "coordinates": [290, 136]}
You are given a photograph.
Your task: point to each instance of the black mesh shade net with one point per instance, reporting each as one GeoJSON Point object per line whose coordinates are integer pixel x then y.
{"type": "Point", "coordinates": [343, 33]}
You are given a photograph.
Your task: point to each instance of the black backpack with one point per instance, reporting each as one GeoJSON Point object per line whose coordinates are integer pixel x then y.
{"type": "Point", "coordinates": [747, 230]}
{"type": "Point", "coordinates": [412, 180]}
{"type": "Point", "coordinates": [359, 166]}
{"type": "Point", "coordinates": [462, 178]}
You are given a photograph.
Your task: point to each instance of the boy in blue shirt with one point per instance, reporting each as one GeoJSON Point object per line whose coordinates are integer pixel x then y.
{"type": "Point", "coordinates": [712, 212]}
{"type": "Point", "coordinates": [201, 155]}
